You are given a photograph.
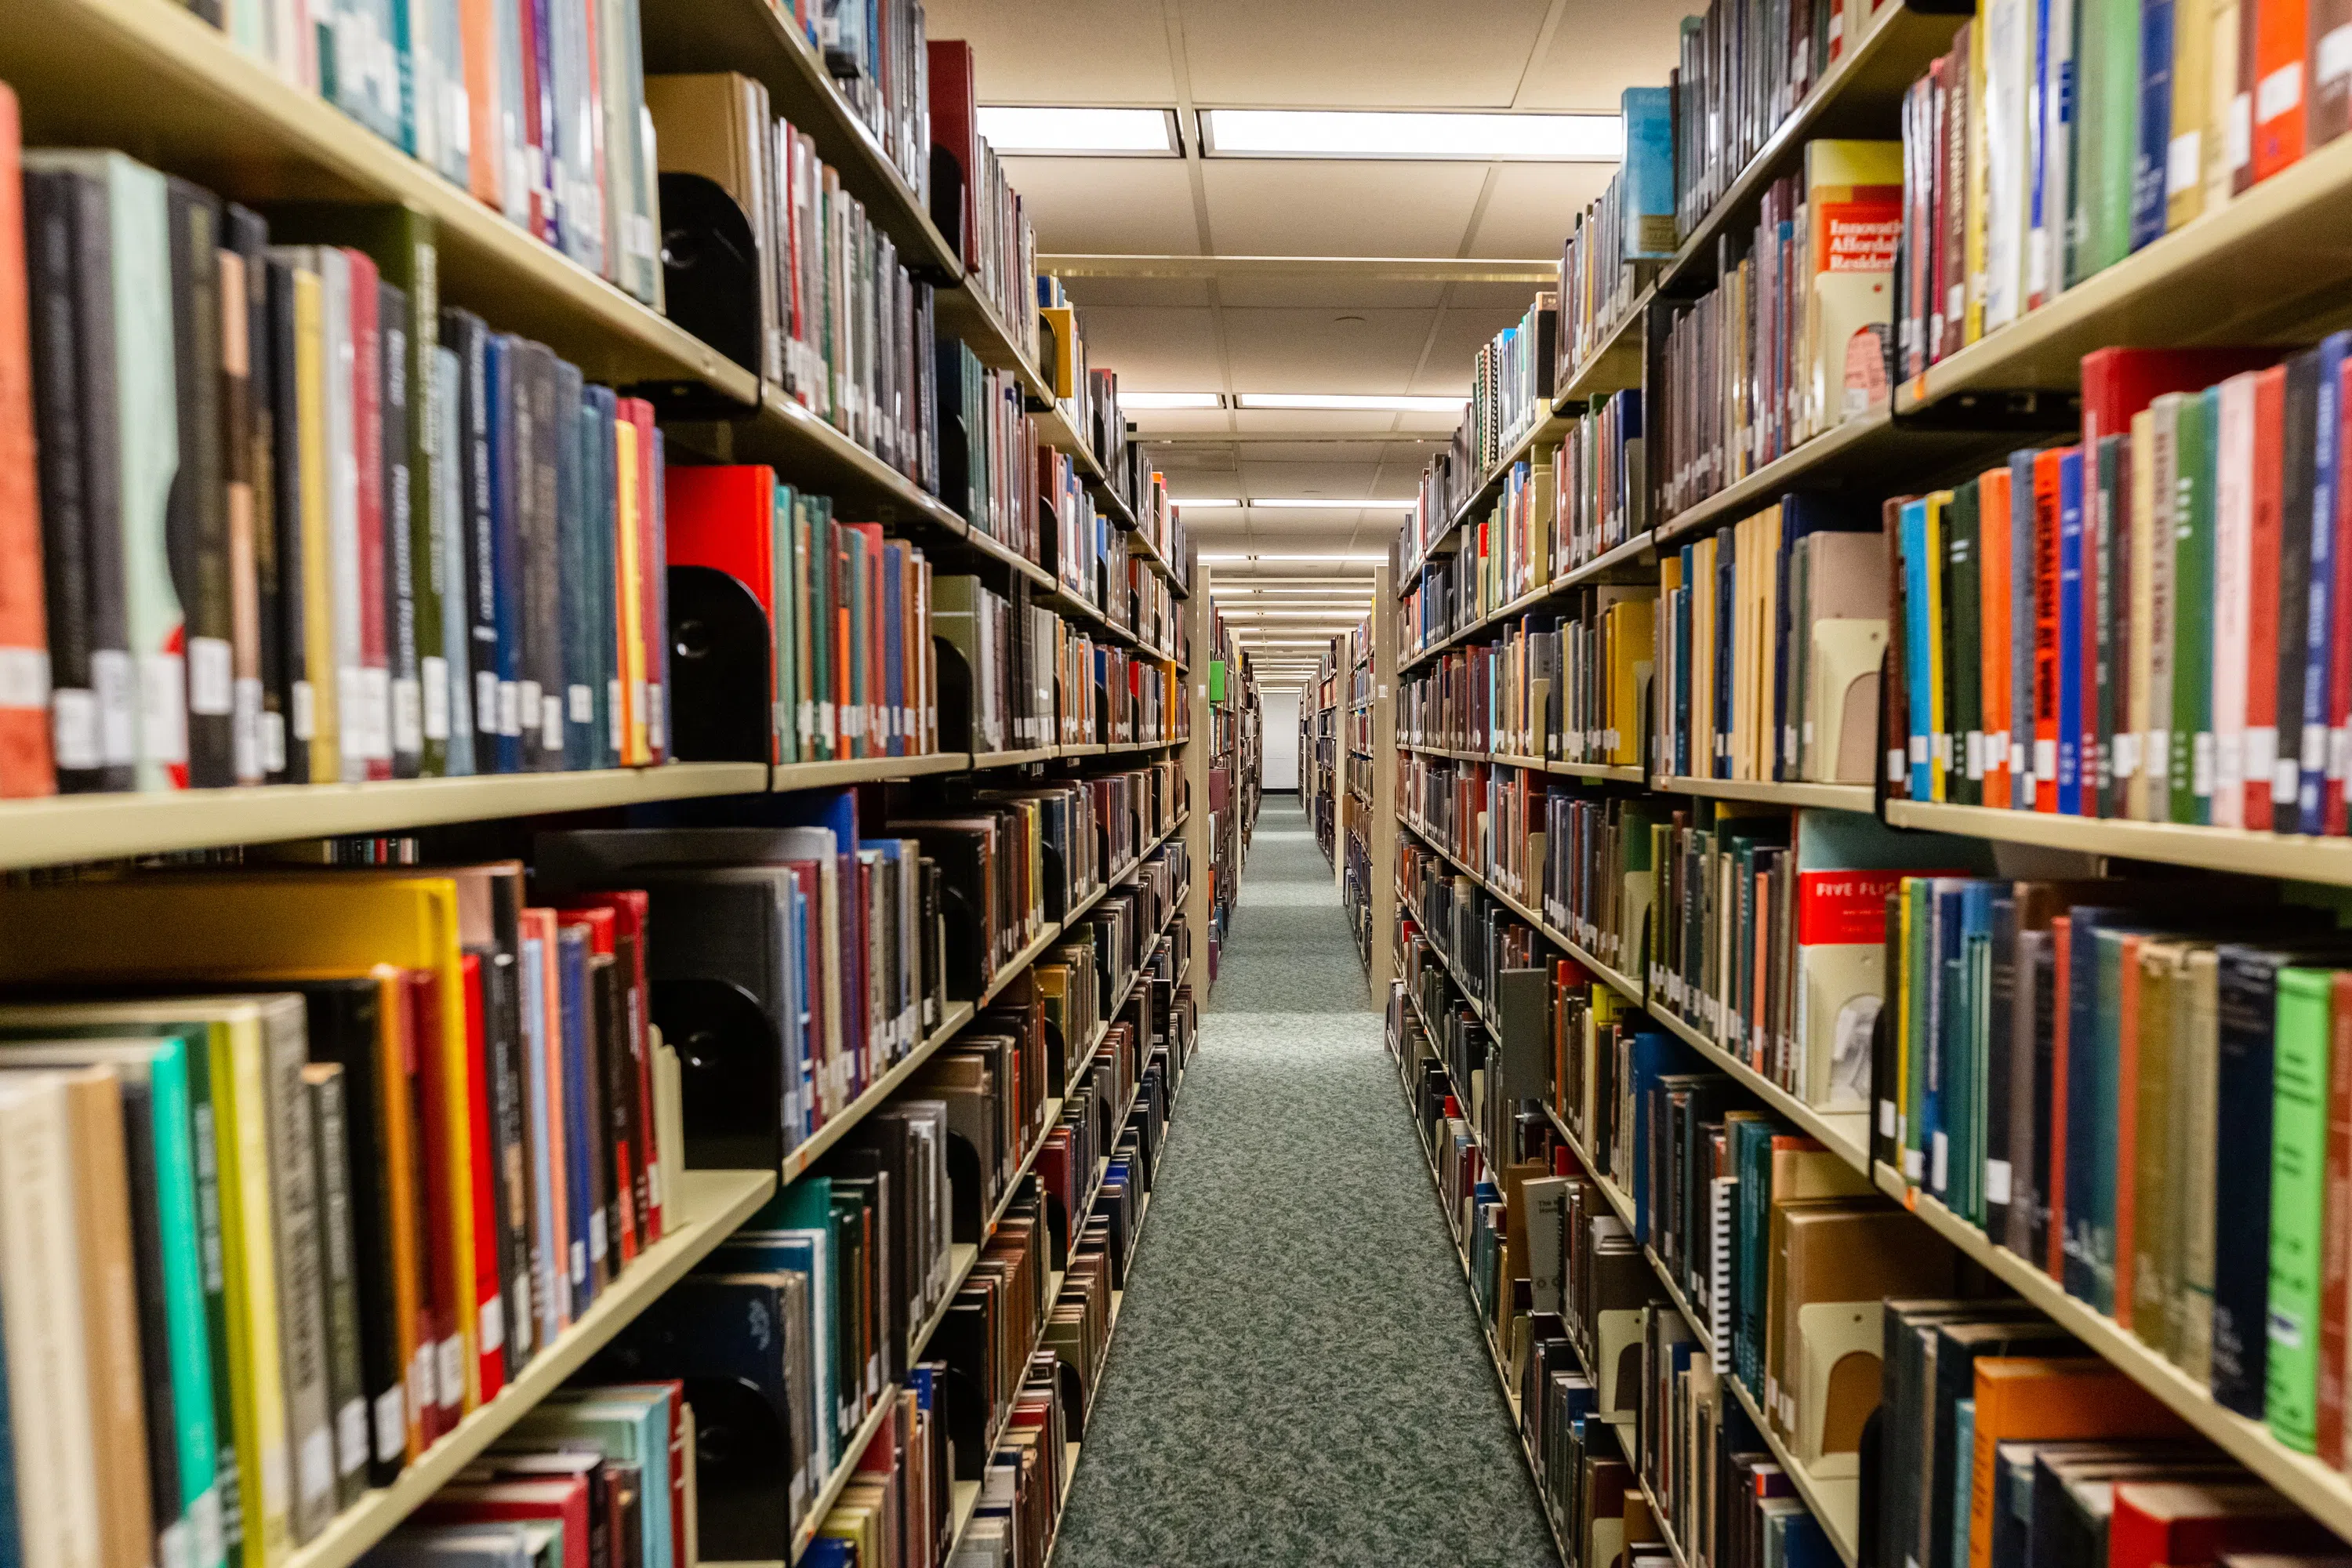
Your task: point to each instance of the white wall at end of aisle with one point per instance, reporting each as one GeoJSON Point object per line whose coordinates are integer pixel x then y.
{"type": "Point", "coordinates": [1281, 764]}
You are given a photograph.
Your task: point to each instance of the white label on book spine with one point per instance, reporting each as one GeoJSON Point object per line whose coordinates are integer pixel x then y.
{"type": "Point", "coordinates": [510, 705]}
{"type": "Point", "coordinates": [451, 1373]}
{"type": "Point", "coordinates": [1887, 1119]}
{"type": "Point", "coordinates": [350, 1436]}
{"type": "Point", "coordinates": [550, 724]}
{"type": "Point", "coordinates": [2184, 165]}
{"type": "Point", "coordinates": [2126, 753]}
{"type": "Point", "coordinates": [24, 677]}
{"type": "Point", "coordinates": [407, 716]}
{"type": "Point", "coordinates": [433, 676]}
{"type": "Point", "coordinates": [2339, 752]}
{"type": "Point", "coordinates": [528, 713]}
{"type": "Point", "coordinates": [491, 1324]}
{"type": "Point", "coordinates": [2315, 749]}
{"type": "Point", "coordinates": [375, 711]}
{"type": "Point", "coordinates": [209, 1542]}
{"type": "Point", "coordinates": [596, 1236]}
{"type": "Point", "coordinates": [73, 727]}
{"type": "Point", "coordinates": [391, 1425]}
{"type": "Point", "coordinates": [2286, 779]}
{"type": "Point", "coordinates": [305, 717]}
{"type": "Point", "coordinates": [211, 673]}
{"type": "Point", "coordinates": [164, 713]}
{"type": "Point", "coordinates": [612, 736]}
{"type": "Point", "coordinates": [2279, 92]}
{"type": "Point", "coordinates": [2159, 755]}
{"type": "Point", "coordinates": [2262, 752]}
{"type": "Point", "coordinates": [2201, 763]}
{"type": "Point", "coordinates": [1996, 1181]}
{"type": "Point", "coordinates": [172, 1545]}
{"type": "Point", "coordinates": [245, 728]}
{"type": "Point", "coordinates": [583, 698]}
{"type": "Point", "coordinates": [273, 743]}
{"type": "Point", "coordinates": [486, 703]}
{"type": "Point", "coordinates": [2045, 759]}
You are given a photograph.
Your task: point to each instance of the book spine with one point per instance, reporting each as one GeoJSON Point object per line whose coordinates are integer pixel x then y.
{"type": "Point", "coordinates": [27, 762]}
{"type": "Point", "coordinates": [346, 1398]}
{"type": "Point", "coordinates": [404, 695]}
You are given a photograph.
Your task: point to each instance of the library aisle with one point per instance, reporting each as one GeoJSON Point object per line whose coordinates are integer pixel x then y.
{"type": "Point", "coordinates": [1298, 1378]}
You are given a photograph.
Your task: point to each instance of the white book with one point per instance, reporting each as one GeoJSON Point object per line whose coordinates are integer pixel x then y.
{"type": "Point", "coordinates": [2233, 528]}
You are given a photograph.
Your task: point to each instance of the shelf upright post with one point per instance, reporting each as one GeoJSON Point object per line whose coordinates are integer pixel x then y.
{"type": "Point", "coordinates": [1200, 845]}
{"type": "Point", "coordinates": [1380, 834]}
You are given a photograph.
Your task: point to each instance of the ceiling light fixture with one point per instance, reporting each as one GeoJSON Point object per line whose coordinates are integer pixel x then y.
{"type": "Point", "coordinates": [1350, 402]}
{"type": "Point", "coordinates": [1036, 130]}
{"type": "Point", "coordinates": [1136, 402]}
{"type": "Point", "coordinates": [1327, 503]}
{"type": "Point", "coordinates": [1255, 556]}
{"type": "Point", "coordinates": [1418, 136]}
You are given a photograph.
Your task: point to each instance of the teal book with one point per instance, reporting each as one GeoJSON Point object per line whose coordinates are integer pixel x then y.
{"type": "Point", "coordinates": [1964, 1441]}
{"type": "Point", "coordinates": [1647, 199]}
{"type": "Point", "coordinates": [629, 1423]}
{"type": "Point", "coordinates": [784, 619]}
{"type": "Point", "coordinates": [2190, 781]}
{"type": "Point", "coordinates": [1964, 1110]}
{"type": "Point", "coordinates": [2298, 1201]}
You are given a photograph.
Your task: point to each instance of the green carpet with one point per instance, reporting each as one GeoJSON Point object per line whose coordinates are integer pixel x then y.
{"type": "Point", "coordinates": [1297, 1377]}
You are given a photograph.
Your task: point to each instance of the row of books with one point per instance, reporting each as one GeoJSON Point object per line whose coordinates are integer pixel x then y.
{"type": "Point", "coordinates": [1511, 382]}
{"type": "Point", "coordinates": [446, 1128]}
{"type": "Point", "coordinates": [538, 110]}
{"type": "Point", "coordinates": [596, 1473]}
{"type": "Point", "coordinates": [1566, 687]}
{"type": "Point", "coordinates": [832, 314]}
{"type": "Point", "coordinates": [2049, 144]}
{"type": "Point", "coordinates": [1612, 248]}
{"type": "Point", "coordinates": [1771, 632]}
{"type": "Point", "coordinates": [1791, 340]}
{"type": "Point", "coordinates": [282, 518]}
{"type": "Point", "coordinates": [988, 461]}
{"type": "Point", "coordinates": [1601, 479]}
{"type": "Point", "coordinates": [1744, 68]}
{"type": "Point", "coordinates": [2183, 660]}
{"type": "Point", "coordinates": [998, 246]}
{"type": "Point", "coordinates": [1089, 397]}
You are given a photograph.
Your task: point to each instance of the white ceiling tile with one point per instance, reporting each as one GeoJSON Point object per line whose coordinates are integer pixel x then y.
{"type": "Point", "coordinates": [1158, 349]}
{"type": "Point", "coordinates": [1151, 422]}
{"type": "Point", "coordinates": [1275, 422]}
{"type": "Point", "coordinates": [1305, 350]}
{"type": "Point", "coordinates": [1319, 208]}
{"type": "Point", "coordinates": [1386, 54]}
{"type": "Point", "coordinates": [1600, 48]}
{"type": "Point", "coordinates": [1088, 292]}
{"type": "Point", "coordinates": [1532, 206]}
{"type": "Point", "coordinates": [1092, 205]}
{"type": "Point", "coordinates": [1335, 290]}
{"type": "Point", "coordinates": [1123, 48]}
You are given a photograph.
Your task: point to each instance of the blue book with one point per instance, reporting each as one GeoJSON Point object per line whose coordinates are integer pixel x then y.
{"type": "Point", "coordinates": [1944, 1010]}
{"type": "Point", "coordinates": [2091, 1082]}
{"type": "Point", "coordinates": [807, 1250]}
{"type": "Point", "coordinates": [583, 1215]}
{"type": "Point", "coordinates": [1917, 647]}
{"type": "Point", "coordinates": [503, 729]}
{"type": "Point", "coordinates": [573, 478]}
{"type": "Point", "coordinates": [599, 410]}
{"type": "Point", "coordinates": [1727, 562]}
{"type": "Point", "coordinates": [2326, 455]}
{"type": "Point", "coordinates": [1655, 1055]}
{"type": "Point", "coordinates": [2070, 632]}
{"type": "Point", "coordinates": [1646, 201]}
{"type": "Point", "coordinates": [2153, 158]}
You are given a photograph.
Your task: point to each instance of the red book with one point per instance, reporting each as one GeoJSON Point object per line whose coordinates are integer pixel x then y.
{"type": "Point", "coordinates": [2182, 1523]}
{"type": "Point", "coordinates": [2282, 82]}
{"type": "Point", "coordinates": [2261, 642]}
{"type": "Point", "coordinates": [2062, 931]}
{"type": "Point", "coordinates": [2046, 631]}
{"type": "Point", "coordinates": [955, 131]}
{"type": "Point", "coordinates": [724, 518]}
{"type": "Point", "coordinates": [2335, 1238]}
{"type": "Point", "coordinates": [440, 1384]}
{"type": "Point", "coordinates": [532, 118]}
{"type": "Point", "coordinates": [368, 711]}
{"type": "Point", "coordinates": [630, 909]}
{"type": "Point", "coordinates": [563, 1500]}
{"type": "Point", "coordinates": [2339, 672]}
{"type": "Point", "coordinates": [2120, 383]}
{"type": "Point", "coordinates": [490, 1298]}
{"type": "Point", "coordinates": [25, 764]}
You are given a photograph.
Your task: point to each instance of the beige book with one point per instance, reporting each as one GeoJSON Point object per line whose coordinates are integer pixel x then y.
{"type": "Point", "coordinates": [2215, 168]}
{"type": "Point", "coordinates": [47, 1347]}
{"type": "Point", "coordinates": [2153, 1230]}
{"type": "Point", "coordinates": [2192, 63]}
{"type": "Point", "coordinates": [2196, 1042]}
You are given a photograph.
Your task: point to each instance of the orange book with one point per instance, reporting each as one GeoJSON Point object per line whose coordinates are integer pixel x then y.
{"type": "Point", "coordinates": [1994, 571]}
{"type": "Point", "coordinates": [24, 767]}
{"type": "Point", "coordinates": [2262, 640]}
{"type": "Point", "coordinates": [2020, 1397]}
{"type": "Point", "coordinates": [485, 115]}
{"type": "Point", "coordinates": [2127, 1123]}
{"type": "Point", "coordinates": [2280, 82]}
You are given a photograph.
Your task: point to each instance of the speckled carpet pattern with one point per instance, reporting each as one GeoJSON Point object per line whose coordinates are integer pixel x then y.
{"type": "Point", "coordinates": [1297, 1377]}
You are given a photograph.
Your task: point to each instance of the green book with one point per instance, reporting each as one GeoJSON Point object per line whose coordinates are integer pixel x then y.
{"type": "Point", "coordinates": [2189, 779]}
{"type": "Point", "coordinates": [2106, 134]}
{"type": "Point", "coordinates": [785, 723]}
{"type": "Point", "coordinates": [1969, 1118]}
{"type": "Point", "coordinates": [1964, 695]}
{"type": "Point", "coordinates": [2298, 1198]}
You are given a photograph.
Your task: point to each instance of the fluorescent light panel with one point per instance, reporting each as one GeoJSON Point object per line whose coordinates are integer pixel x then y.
{"type": "Point", "coordinates": [1327, 503]}
{"type": "Point", "coordinates": [1350, 402]}
{"type": "Point", "coordinates": [1054, 131]}
{"type": "Point", "coordinates": [1255, 555]}
{"type": "Point", "coordinates": [1415, 136]}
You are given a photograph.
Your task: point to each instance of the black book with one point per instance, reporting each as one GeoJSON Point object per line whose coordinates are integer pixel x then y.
{"type": "Point", "coordinates": [511, 1158]}
{"type": "Point", "coordinates": [575, 734]}
{"type": "Point", "coordinates": [2112, 594]}
{"type": "Point", "coordinates": [463, 335]}
{"type": "Point", "coordinates": [542, 661]}
{"type": "Point", "coordinates": [616, 1089]}
{"type": "Point", "coordinates": [197, 515]}
{"type": "Point", "coordinates": [278, 566]}
{"type": "Point", "coordinates": [346, 1393]}
{"type": "Point", "coordinates": [259, 719]}
{"type": "Point", "coordinates": [1999, 1180]}
{"type": "Point", "coordinates": [400, 558]}
{"type": "Point", "coordinates": [68, 273]}
{"type": "Point", "coordinates": [2298, 446]}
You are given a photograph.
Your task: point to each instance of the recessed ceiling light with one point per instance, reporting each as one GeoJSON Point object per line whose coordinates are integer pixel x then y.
{"type": "Point", "coordinates": [1325, 503]}
{"type": "Point", "coordinates": [1350, 402]}
{"type": "Point", "coordinates": [1138, 402]}
{"type": "Point", "coordinates": [1379, 133]}
{"type": "Point", "coordinates": [1262, 557]}
{"type": "Point", "coordinates": [1019, 130]}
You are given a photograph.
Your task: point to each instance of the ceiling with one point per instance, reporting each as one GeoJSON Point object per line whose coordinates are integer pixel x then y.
{"type": "Point", "coordinates": [1235, 276]}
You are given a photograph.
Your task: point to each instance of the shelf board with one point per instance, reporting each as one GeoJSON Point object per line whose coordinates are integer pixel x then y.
{"type": "Point", "coordinates": [811, 1149]}
{"type": "Point", "coordinates": [708, 1206]}
{"type": "Point", "coordinates": [1835, 796]}
{"type": "Point", "coordinates": [1868, 453]}
{"type": "Point", "coordinates": [1615, 364]}
{"type": "Point", "coordinates": [1623, 561]}
{"type": "Point", "coordinates": [753, 38]}
{"type": "Point", "coordinates": [2283, 854]}
{"type": "Point", "coordinates": [785, 777]}
{"type": "Point", "coordinates": [1550, 426]}
{"type": "Point", "coordinates": [1605, 772]}
{"type": "Point", "coordinates": [962, 1255]}
{"type": "Point", "coordinates": [153, 78]}
{"type": "Point", "coordinates": [965, 311]}
{"type": "Point", "coordinates": [60, 829]}
{"type": "Point", "coordinates": [788, 437]}
{"type": "Point", "coordinates": [1860, 94]}
{"type": "Point", "coordinates": [988, 545]}
{"type": "Point", "coordinates": [822, 1504]}
{"type": "Point", "coordinates": [1836, 1503]}
{"type": "Point", "coordinates": [2271, 263]}
{"type": "Point", "coordinates": [2324, 1493]}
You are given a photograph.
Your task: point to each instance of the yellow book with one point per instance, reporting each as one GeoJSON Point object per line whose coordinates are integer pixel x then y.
{"type": "Point", "coordinates": [1634, 628]}
{"type": "Point", "coordinates": [316, 700]}
{"type": "Point", "coordinates": [1854, 202]}
{"type": "Point", "coordinates": [1061, 335]}
{"type": "Point", "coordinates": [1763, 738]}
{"type": "Point", "coordinates": [1702, 671]}
{"type": "Point", "coordinates": [215, 928]}
{"type": "Point", "coordinates": [1670, 583]}
{"type": "Point", "coordinates": [2192, 63]}
{"type": "Point", "coordinates": [629, 694]}
{"type": "Point", "coordinates": [2221, 93]}
{"type": "Point", "coordinates": [1973, 213]}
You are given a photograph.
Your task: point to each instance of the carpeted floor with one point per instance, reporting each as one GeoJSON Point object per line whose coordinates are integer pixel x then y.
{"type": "Point", "coordinates": [1298, 1378]}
